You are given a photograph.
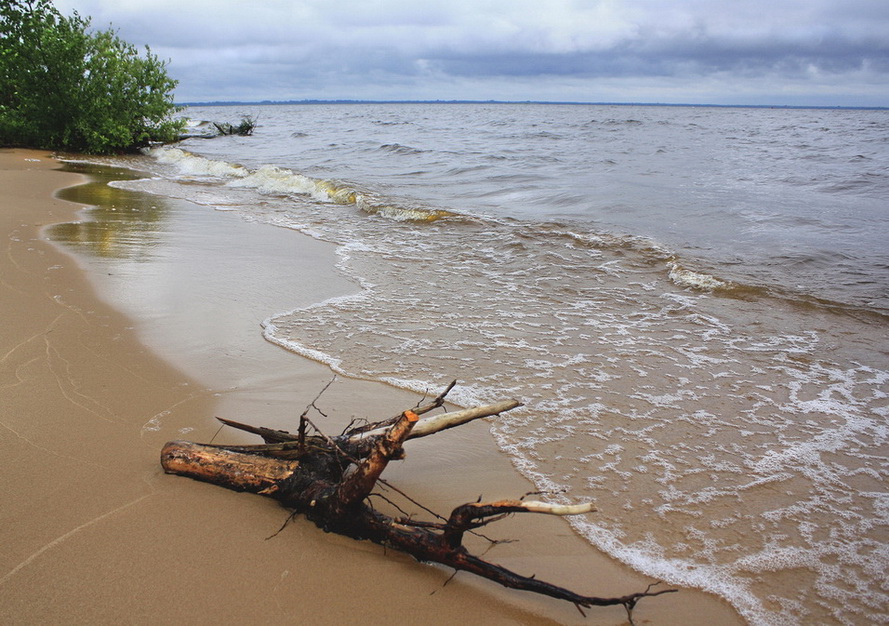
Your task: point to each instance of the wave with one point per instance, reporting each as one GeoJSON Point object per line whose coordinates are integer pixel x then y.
{"type": "Point", "coordinates": [282, 182]}
{"type": "Point", "coordinates": [278, 181]}
{"type": "Point", "coordinates": [694, 280]}
{"type": "Point", "coordinates": [397, 148]}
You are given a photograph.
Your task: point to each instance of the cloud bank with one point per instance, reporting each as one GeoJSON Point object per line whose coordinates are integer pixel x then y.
{"type": "Point", "coordinates": [795, 52]}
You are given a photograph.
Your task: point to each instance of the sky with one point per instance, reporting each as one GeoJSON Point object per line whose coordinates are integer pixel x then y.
{"type": "Point", "coordinates": [745, 52]}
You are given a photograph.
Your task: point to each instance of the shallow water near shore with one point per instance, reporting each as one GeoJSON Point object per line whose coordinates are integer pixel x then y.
{"type": "Point", "coordinates": [172, 265]}
{"type": "Point", "coordinates": [728, 420]}
{"type": "Point", "coordinates": [256, 381]}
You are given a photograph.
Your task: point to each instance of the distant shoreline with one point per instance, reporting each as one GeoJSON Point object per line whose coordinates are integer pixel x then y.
{"type": "Point", "coordinates": [546, 102]}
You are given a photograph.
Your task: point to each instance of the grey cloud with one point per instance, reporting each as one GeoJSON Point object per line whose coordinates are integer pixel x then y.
{"type": "Point", "coordinates": [676, 57]}
{"type": "Point", "coordinates": [550, 49]}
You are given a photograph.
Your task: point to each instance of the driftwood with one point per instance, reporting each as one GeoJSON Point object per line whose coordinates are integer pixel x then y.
{"type": "Point", "coordinates": [245, 128]}
{"type": "Point", "coordinates": [330, 479]}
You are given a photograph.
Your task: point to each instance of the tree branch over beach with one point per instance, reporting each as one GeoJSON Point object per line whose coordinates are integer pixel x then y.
{"type": "Point", "coordinates": [331, 480]}
{"type": "Point", "coordinates": [65, 87]}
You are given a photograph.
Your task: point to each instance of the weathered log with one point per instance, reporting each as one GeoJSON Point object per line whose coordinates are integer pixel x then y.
{"type": "Point", "coordinates": [232, 470]}
{"type": "Point", "coordinates": [330, 479]}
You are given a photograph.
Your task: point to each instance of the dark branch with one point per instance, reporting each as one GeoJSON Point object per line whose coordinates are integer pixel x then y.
{"type": "Point", "coordinates": [330, 480]}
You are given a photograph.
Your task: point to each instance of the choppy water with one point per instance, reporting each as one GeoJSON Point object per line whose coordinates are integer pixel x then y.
{"type": "Point", "coordinates": [691, 302]}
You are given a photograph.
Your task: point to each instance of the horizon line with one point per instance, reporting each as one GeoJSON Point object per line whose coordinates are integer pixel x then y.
{"type": "Point", "coordinates": [550, 102]}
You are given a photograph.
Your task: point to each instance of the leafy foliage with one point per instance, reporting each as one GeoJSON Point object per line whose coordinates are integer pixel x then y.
{"type": "Point", "coordinates": [64, 87]}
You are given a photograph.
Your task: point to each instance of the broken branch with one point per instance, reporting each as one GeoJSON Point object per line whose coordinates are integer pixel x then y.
{"type": "Point", "coordinates": [329, 479]}
{"type": "Point", "coordinates": [431, 425]}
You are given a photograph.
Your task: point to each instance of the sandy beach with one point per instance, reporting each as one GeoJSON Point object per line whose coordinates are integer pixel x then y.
{"type": "Point", "coordinates": [95, 532]}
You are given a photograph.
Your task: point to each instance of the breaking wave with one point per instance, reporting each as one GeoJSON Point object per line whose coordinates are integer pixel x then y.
{"type": "Point", "coordinates": [273, 180]}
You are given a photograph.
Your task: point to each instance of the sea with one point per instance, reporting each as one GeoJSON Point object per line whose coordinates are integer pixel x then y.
{"type": "Point", "coordinates": [691, 302]}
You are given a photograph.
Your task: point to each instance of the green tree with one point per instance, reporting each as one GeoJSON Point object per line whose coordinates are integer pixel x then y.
{"type": "Point", "coordinates": [64, 87]}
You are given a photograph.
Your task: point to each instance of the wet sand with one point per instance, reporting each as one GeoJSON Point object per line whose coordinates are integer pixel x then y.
{"type": "Point", "coordinates": [95, 375]}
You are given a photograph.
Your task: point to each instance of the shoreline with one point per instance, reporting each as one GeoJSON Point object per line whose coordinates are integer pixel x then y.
{"type": "Point", "coordinates": [97, 532]}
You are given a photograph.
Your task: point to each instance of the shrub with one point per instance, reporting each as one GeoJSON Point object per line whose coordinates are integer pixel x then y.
{"type": "Point", "coordinates": [64, 87]}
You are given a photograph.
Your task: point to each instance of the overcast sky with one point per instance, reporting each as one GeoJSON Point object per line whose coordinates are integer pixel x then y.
{"type": "Point", "coordinates": [793, 52]}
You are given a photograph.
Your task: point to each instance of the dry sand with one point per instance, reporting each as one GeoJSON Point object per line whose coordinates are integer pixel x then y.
{"type": "Point", "coordinates": [94, 532]}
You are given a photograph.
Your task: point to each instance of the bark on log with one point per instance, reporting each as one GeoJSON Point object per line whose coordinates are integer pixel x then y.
{"type": "Point", "coordinates": [330, 479]}
{"type": "Point", "coordinates": [357, 486]}
{"type": "Point", "coordinates": [238, 472]}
